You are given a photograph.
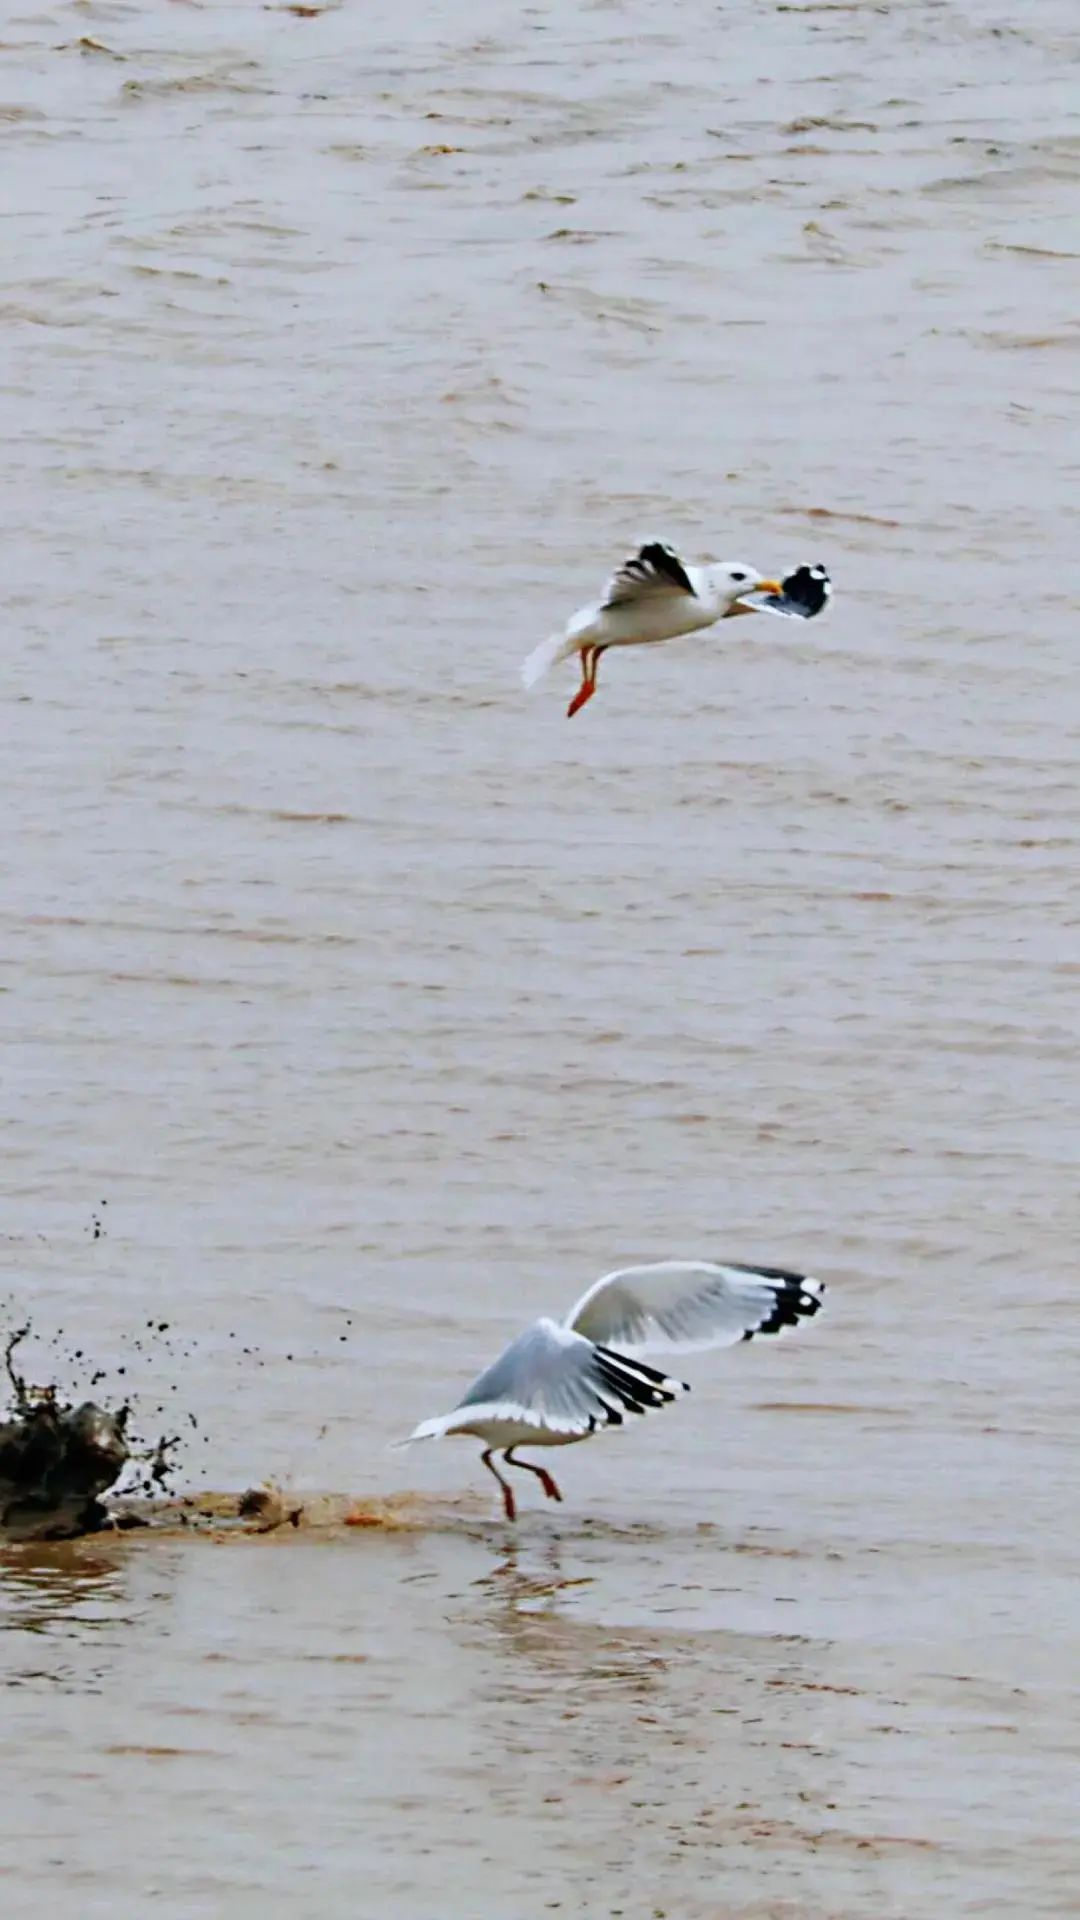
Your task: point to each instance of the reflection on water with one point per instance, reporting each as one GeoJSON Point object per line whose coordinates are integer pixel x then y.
{"type": "Point", "coordinates": [54, 1589]}
{"type": "Point", "coordinates": [525, 1591]}
{"type": "Point", "coordinates": [64, 1614]}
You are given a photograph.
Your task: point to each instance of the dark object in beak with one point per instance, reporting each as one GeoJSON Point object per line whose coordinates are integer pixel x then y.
{"type": "Point", "coordinates": [805, 593]}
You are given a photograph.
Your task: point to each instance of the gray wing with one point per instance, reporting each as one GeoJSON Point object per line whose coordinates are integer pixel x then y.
{"type": "Point", "coordinates": [554, 1378]}
{"type": "Point", "coordinates": [654, 570]}
{"type": "Point", "coordinates": [680, 1305]}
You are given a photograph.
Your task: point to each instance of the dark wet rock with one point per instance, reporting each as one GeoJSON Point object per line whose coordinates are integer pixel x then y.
{"type": "Point", "coordinates": [54, 1464]}
{"type": "Point", "coordinates": [56, 1461]}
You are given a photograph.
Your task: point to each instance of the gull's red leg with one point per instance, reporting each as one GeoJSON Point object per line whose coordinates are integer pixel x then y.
{"type": "Point", "coordinates": [588, 682]}
{"type": "Point", "coordinates": [541, 1473]}
{"type": "Point", "coordinates": [590, 660]}
{"type": "Point", "coordinates": [507, 1490]}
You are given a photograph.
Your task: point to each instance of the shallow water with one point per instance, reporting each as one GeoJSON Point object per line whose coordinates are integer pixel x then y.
{"type": "Point", "coordinates": [383, 1009]}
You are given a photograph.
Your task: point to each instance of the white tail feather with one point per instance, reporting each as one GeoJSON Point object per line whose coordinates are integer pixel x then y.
{"type": "Point", "coordinates": [543, 658]}
{"type": "Point", "coordinates": [427, 1430]}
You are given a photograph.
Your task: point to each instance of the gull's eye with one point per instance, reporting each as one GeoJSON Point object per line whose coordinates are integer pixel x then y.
{"type": "Point", "coordinates": [737, 576]}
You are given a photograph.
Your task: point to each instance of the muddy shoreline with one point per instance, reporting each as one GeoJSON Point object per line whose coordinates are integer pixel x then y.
{"type": "Point", "coordinates": [254, 1511]}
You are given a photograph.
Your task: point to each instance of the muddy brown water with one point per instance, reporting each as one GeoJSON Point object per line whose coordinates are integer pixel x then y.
{"type": "Point", "coordinates": [384, 1009]}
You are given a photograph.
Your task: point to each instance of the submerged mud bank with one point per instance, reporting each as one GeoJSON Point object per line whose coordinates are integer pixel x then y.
{"type": "Point", "coordinates": [271, 1509]}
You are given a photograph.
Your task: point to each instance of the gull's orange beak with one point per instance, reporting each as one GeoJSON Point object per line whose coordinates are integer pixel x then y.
{"type": "Point", "coordinates": [745, 602]}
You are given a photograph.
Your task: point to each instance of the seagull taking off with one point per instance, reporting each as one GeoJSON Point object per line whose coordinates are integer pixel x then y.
{"type": "Point", "coordinates": [653, 597]}
{"type": "Point", "coordinates": [561, 1381]}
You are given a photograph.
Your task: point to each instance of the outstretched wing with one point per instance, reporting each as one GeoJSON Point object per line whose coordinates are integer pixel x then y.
{"type": "Point", "coordinates": [654, 569]}
{"type": "Point", "coordinates": [560, 1382]}
{"type": "Point", "coordinates": [805, 593]}
{"type": "Point", "coordinates": [680, 1305]}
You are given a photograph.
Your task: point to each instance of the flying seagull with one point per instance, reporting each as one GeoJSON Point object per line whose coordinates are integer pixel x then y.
{"type": "Point", "coordinates": [653, 597]}
{"type": "Point", "coordinates": [562, 1381]}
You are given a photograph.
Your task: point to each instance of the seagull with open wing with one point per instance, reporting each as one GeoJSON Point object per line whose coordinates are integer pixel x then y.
{"type": "Point", "coordinates": [562, 1381]}
{"type": "Point", "coordinates": [654, 597]}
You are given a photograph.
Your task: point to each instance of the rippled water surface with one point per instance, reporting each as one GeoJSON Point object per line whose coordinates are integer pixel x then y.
{"type": "Point", "coordinates": [371, 1008]}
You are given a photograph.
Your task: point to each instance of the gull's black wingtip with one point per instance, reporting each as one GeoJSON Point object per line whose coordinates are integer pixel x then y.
{"type": "Point", "coordinates": [657, 557]}
{"type": "Point", "coordinates": [796, 1297]}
